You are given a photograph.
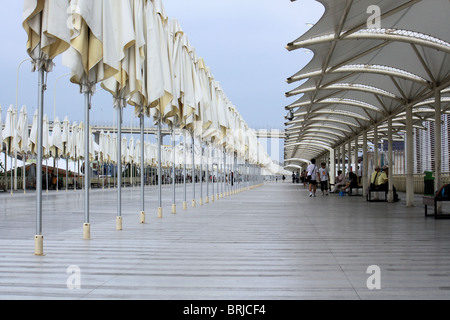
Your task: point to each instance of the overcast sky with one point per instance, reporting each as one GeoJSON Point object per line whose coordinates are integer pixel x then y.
{"type": "Point", "coordinates": [242, 41]}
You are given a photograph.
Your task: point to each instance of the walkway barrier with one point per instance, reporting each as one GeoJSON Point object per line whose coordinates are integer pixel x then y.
{"type": "Point", "coordinates": [400, 182]}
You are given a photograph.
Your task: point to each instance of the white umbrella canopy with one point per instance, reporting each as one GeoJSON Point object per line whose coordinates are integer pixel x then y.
{"type": "Point", "coordinates": [32, 142]}
{"type": "Point", "coordinates": [79, 144]}
{"type": "Point", "coordinates": [92, 56]}
{"type": "Point", "coordinates": [131, 150]}
{"type": "Point", "coordinates": [165, 108]}
{"type": "Point", "coordinates": [175, 52]}
{"type": "Point", "coordinates": [137, 158]}
{"type": "Point", "coordinates": [123, 39]}
{"type": "Point", "coordinates": [154, 79]}
{"type": "Point", "coordinates": [124, 149]}
{"type": "Point", "coordinates": [65, 137]}
{"type": "Point", "coordinates": [108, 146]}
{"type": "Point", "coordinates": [93, 147]}
{"type": "Point", "coordinates": [45, 23]}
{"type": "Point", "coordinates": [45, 138]}
{"type": "Point", "coordinates": [9, 131]}
{"type": "Point", "coordinates": [22, 131]}
{"type": "Point", "coordinates": [57, 144]}
{"type": "Point", "coordinates": [72, 144]}
{"type": "Point", "coordinates": [102, 146]}
{"type": "Point", "coordinates": [113, 149]}
{"type": "Point", "coordinates": [136, 87]}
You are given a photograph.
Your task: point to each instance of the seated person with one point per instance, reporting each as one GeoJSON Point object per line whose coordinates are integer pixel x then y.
{"type": "Point", "coordinates": [352, 181]}
{"type": "Point", "coordinates": [383, 182]}
{"type": "Point", "coordinates": [374, 185]}
{"type": "Point", "coordinates": [340, 181]}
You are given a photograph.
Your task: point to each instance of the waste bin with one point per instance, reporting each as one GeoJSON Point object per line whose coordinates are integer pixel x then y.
{"type": "Point", "coordinates": [428, 184]}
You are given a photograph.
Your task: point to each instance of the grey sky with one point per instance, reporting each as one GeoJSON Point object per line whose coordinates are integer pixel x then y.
{"type": "Point", "coordinates": [241, 41]}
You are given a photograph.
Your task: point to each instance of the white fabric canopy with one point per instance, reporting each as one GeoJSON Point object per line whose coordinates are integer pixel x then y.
{"type": "Point", "coordinates": [9, 131]}
{"type": "Point", "coordinates": [57, 144]}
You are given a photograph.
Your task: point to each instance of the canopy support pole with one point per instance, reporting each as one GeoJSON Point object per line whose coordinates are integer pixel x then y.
{"type": "Point", "coordinates": [87, 184]}
{"type": "Point", "coordinates": [119, 167]}
{"type": "Point", "coordinates": [185, 171]}
{"type": "Point", "coordinates": [365, 168]}
{"type": "Point", "coordinates": [38, 238]}
{"type": "Point", "coordinates": [409, 158]}
{"type": "Point", "coordinates": [207, 173]}
{"type": "Point", "coordinates": [159, 170]}
{"type": "Point", "coordinates": [391, 163]}
{"type": "Point", "coordinates": [193, 169]}
{"type": "Point", "coordinates": [438, 145]}
{"type": "Point", "coordinates": [142, 124]}
{"type": "Point", "coordinates": [174, 206]}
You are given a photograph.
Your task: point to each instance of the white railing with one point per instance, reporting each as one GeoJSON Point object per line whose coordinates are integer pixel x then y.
{"type": "Point", "coordinates": [400, 182]}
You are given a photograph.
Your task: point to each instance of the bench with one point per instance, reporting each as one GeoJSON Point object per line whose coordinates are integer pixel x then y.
{"type": "Point", "coordinates": [432, 201]}
{"type": "Point", "coordinates": [377, 191]}
{"type": "Point", "coordinates": [350, 191]}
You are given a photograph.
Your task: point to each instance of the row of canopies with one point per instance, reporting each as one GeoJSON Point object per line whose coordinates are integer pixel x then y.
{"type": "Point", "coordinates": [66, 140]}
{"type": "Point", "coordinates": [360, 76]}
{"type": "Point", "coordinates": [379, 69]}
{"type": "Point", "coordinates": [142, 57]}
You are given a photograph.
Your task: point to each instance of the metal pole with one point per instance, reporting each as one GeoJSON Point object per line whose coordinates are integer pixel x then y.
{"type": "Point", "coordinates": [391, 163]}
{"type": "Point", "coordinates": [224, 171]}
{"type": "Point", "coordinates": [38, 248]}
{"type": "Point", "coordinates": [173, 171]}
{"type": "Point", "coordinates": [142, 123]}
{"type": "Point", "coordinates": [193, 170]}
{"type": "Point", "coordinates": [409, 158]}
{"type": "Point", "coordinates": [159, 171]}
{"type": "Point", "coordinates": [87, 101]}
{"type": "Point", "coordinates": [207, 173]}
{"type": "Point", "coordinates": [201, 173]}
{"type": "Point", "coordinates": [119, 168]}
{"type": "Point", "coordinates": [212, 172]}
{"type": "Point", "coordinates": [438, 145]}
{"type": "Point", "coordinates": [185, 172]}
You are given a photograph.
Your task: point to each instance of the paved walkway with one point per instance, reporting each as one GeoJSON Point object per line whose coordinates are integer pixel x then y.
{"type": "Point", "coordinates": [269, 243]}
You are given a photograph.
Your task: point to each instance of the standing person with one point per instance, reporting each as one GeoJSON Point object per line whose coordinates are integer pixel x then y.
{"type": "Point", "coordinates": [312, 172]}
{"type": "Point", "coordinates": [293, 177]}
{"type": "Point", "coordinates": [324, 178]}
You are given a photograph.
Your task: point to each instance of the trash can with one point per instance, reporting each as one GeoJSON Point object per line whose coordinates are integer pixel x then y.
{"type": "Point", "coordinates": [428, 184]}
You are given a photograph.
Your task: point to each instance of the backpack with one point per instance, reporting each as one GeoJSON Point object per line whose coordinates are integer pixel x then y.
{"type": "Point", "coordinates": [444, 191]}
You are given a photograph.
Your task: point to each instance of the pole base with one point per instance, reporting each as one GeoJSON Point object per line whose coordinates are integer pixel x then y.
{"type": "Point", "coordinates": [38, 245]}
{"type": "Point", "coordinates": [160, 212]}
{"type": "Point", "coordinates": [142, 217]}
{"type": "Point", "coordinates": [221, 195]}
{"type": "Point", "coordinates": [174, 209]}
{"type": "Point", "coordinates": [212, 198]}
{"type": "Point", "coordinates": [184, 205]}
{"type": "Point", "coordinates": [118, 223]}
{"type": "Point", "coordinates": [207, 200]}
{"type": "Point", "coordinates": [86, 231]}
{"type": "Point", "coordinates": [193, 203]}
{"type": "Point", "coordinates": [201, 201]}
{"type": "Point", "coordinates": [217, 196]}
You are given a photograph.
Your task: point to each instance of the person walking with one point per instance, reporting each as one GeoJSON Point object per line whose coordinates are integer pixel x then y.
{"type": "Point", "coordinates": [312, 172]}
{"type": "Point", "coordinates": [324, 178]}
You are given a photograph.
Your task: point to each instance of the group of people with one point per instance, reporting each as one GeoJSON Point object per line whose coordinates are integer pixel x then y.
{"type": "Point", "coordinates": [314, 176]}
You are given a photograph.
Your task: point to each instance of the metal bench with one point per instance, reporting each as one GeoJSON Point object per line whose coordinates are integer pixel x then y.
{"type": "Point", "coordinates": [432, 201]}
{"type": "Point", "coordinates": [370, 192]}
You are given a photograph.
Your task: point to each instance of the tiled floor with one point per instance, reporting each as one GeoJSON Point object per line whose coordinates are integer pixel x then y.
{"type": "Point", "coordinates": [269, 243]}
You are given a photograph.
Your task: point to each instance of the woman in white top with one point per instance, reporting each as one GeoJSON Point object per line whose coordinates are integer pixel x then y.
{"type": "Point", "coordinates": [312, 171]}
{"type": "Point", "coordinates": [324, 177]}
